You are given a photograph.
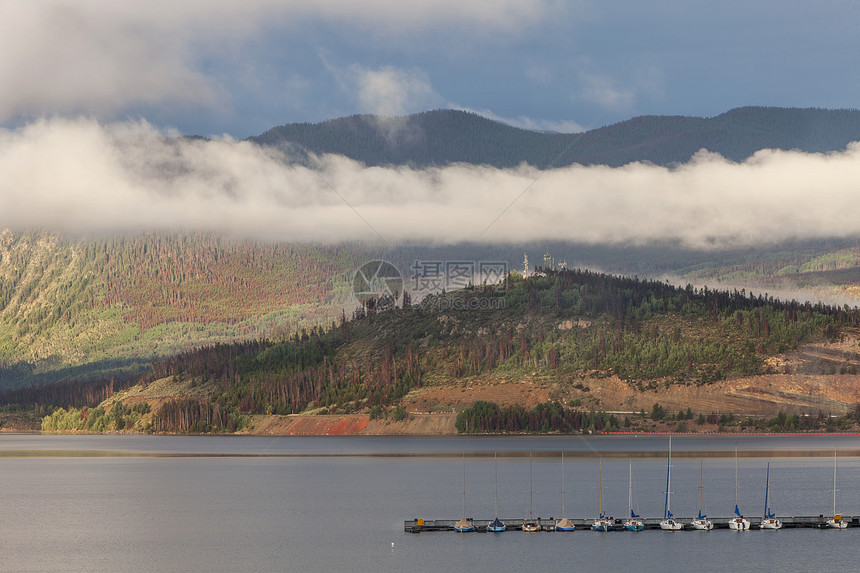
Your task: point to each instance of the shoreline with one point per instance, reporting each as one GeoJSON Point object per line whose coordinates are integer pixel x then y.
{"type": "Point", "coordinates": [658, 454]}
{"type": "Point", "coordinates": [415, 425]}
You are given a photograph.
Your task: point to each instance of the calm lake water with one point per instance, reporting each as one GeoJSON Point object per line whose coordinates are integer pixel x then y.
{"type": "Point", "coordinates": [157, 503]}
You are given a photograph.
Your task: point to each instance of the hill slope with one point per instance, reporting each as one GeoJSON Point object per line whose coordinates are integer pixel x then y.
{"type": "Point", "coordinates": [84, 309]}
{"type": "Point", "coordinates": [564, 332]}
{"type": "Point", "coordinates": [442, 137]}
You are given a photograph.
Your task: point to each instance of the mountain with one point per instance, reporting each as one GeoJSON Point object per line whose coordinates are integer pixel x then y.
{"type": "Point", "coordinates": [80, 309]}
{"type": "Point", "coordinates": [441, 137]}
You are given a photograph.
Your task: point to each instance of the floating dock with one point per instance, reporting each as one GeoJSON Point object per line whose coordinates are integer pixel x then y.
{"type": "Point", "coordinates": [788, 522]}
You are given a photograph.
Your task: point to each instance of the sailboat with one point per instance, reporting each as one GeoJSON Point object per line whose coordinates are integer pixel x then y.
{"type": "Point", "coordinates": [563, 524]}
{"type": "Point", "coordinates": [602, 523]}
{"type": "Point", "coordinates": [738, 523]}
{"type": "Point", "coordinates": [464, 524]}
{"type": "Point", "coordinates": [668, 523]}
{"type": "Point", "coordinates": [632, 523]}
{"type": "Point", "coordinates": [702, 523]}
{"type": "Point", "coordinates": [497, 525]}
{"type": "Point", "coordinates": [530, 525]}
{"type": "Point", "coordinates": [835, 522]}
{"type": "Point", "coordinates": [769, 521]}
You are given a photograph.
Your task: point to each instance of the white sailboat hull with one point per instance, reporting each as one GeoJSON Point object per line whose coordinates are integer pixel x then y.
{"type": "Point", "coordinates": [530, 527]}
{"type": "Point", "coordinates": [770, 523]}
{"type": "Point", "coordinates": [836, 523]}
{"type": "Point", "coordinates": [702, 524]}
{"type": "Point", "coordinates": [602, 525]}
{"type": "Point", "coordinates": [739, 524]}
{"type": "Point", "coordinates": [671, 525]}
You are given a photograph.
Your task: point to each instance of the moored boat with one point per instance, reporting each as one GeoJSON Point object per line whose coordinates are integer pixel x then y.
{"type": "Point", "coordinates": [669, 523]}
{"type": "Point", "coordinates": [835, 522]}
{"type": "Point", "coordinates": [530, 525]}
{"type": "Point", "coordinates": [602, 523]}
{"type": "Point", "coordinates": [632, 523]}
{"type": "Point", "coordinates": [464, 524]}
{"type": "Point", "coordinates": [701, 522]}
{"type": "Point", "coordinates": [563, 524]}
{"type": "Point", "coordinates": [769, 521]}
{"type": "Point", "coordinates": [497, 525]}
{"type": "Point", "coordinates": [738, 523]}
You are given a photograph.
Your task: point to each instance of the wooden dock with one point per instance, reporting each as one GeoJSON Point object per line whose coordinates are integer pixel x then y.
{"type": "Point", "coordinates": [788, 522]}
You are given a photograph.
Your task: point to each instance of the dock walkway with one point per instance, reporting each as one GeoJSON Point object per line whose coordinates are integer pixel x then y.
{"type": "Point", "coordinates": [788, 522]}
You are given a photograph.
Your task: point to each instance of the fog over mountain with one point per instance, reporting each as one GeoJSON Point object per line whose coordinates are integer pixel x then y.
{"type": "Point", "coordinates": [82, 175]}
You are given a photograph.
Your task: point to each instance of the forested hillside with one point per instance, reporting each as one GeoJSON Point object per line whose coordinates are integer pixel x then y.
{"type": "Point", "coordinates": [442, 137]}
{"type": "Point", "coordinates": [85, 309]}
{"type": "Point", "coordinates": [82, 308]}
{"type": "Point", "coordinates": [570, 324]}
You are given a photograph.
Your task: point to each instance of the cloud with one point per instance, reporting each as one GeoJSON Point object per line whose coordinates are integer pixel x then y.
{"type": "Point", "coordinates": [530, 123]}
{"type": "Point", "coordinates": [619, 94]}
{"type": "Point", "coordinates": [102, 56]}
{"type": "Point", "coordinates": [389, 94]}
{"type": "Point", "coordinates": [84, 176]}
{"type": "Point", "coordinates": [389, 91]}
{"type": "Point", "coordinates": [604, 92]}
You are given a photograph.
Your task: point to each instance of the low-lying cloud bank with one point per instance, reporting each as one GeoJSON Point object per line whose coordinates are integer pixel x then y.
{"type": "Point", "coordinates": [83, 176]}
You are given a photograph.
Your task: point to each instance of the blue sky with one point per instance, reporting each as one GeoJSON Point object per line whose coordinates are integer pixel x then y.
{"type": "Point", "coordinates": [239, 67]}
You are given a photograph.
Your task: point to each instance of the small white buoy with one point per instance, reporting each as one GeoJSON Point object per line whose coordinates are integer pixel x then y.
{"type": "Point", "coordinates": [392, 545]}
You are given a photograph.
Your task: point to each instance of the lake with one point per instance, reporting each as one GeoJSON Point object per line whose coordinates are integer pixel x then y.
{"type": "Point", "coordinates": [236, 503]}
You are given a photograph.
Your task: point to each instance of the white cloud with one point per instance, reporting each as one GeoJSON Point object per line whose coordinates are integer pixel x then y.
{"type": "Point", "coordinates": [558, 126]}
{"type": "Point", "coordinates": [103, 56]}
{"type": "Point", "coordinates": [390, 91]}
{"type": "Point", "coordinates": [604, 92]}
{"type": "Point", "coordinates": [93, 56]}
{"type": "Point", "coordinates": [530, 123]}
{"type": "Point", "coordinates": [620, 91]}
{"type": "Point", "coordinates": [80, 175]}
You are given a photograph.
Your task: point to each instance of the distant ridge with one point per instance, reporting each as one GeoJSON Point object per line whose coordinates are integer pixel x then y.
{"type": "Point", "coordinates": [442, 137]}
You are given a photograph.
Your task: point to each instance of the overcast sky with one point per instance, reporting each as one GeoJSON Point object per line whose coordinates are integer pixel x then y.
{"type": "Point", "coordinates": [90, 88]}
{"type": "Point", "coordinates": [239, 67]}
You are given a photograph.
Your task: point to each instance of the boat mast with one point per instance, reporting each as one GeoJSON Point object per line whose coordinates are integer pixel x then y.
{"type": "Point", "coordinates": [496, 480]}
{"type": "Point", "coordinates": [700, 488]}
{"type": "Point", "coordinates": [630, 487]}
{"type": "Point", "coordinates": [766, 486]}
{"type": "Point", "coordinates": [531, 484]}
{"type": "Point", "coordinates": [562, 483]}
{"type": "Point", "coordinates": [464, 485]}
{"type": "Point", "coordinates": [834, 483]}
{"type": "Point", "coordinates": [736, 477]}
{"type": "Point", "coordinates": [668, 480]}
{"type": "Point", "coordinates": [600, 494]}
